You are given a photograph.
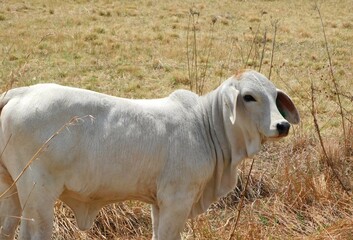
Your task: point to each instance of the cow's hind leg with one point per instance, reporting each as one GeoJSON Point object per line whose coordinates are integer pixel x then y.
{"type": "Point", "coordinates": [37, 200]}
{"type": "Point", "coordinates": [155, 221]}
{"type": "Point", "coordinates": [10, 209]}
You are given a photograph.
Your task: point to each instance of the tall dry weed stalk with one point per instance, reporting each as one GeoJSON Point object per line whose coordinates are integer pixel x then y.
{"type": "Point", "coordinates": [328, 161]}
{"type": "Point", "coordinates": [208, 54]}
{"type": "Point", "coordinates": [332, 164]}
{"type": "Point", "coordinates": [255, 56]}
{"type": "Point", "coordinates": [333, 161]}
{"type": "Point", "coordinates": [197, 72]}
{"type": "Point", "coordinates": [253, 44]}
{"type": "Point", "coordinates": [333, 78]}
{"type": "Point", "coordinates": [274, 24]}
{"type": "Point", "coordinates": [264, 41]}
{"type": "Point", "coordinates": [192, 57]}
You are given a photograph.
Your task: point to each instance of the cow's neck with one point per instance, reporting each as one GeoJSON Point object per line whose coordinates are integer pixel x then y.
{"type": "Point", "coordinates": [233, 142]}
{"type": "Point", "coordinates": [213, 118]}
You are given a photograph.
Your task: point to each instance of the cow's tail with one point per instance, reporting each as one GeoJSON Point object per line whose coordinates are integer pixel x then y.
{"type": "Point", "coordinates": [8, 95]}
{"type": "Point", "coordinates": [4, 99]}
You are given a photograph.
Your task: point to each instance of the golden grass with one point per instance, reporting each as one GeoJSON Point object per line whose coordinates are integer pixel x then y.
{"type": "Point", "coordinates": [138, 49]}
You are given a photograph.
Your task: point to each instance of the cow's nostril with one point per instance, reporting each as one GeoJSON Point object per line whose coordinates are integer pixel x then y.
{"type": "Point", "coordinates": [283, 128]}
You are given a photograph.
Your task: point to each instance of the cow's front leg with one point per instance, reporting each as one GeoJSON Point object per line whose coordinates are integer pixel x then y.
{"type": "Point", "coordinates": [174, 211]}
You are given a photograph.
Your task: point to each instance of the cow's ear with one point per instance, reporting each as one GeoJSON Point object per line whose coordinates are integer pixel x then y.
{"type": "Point", "coordinates": [230, 101]}
{"type": "Point", "coordinates": [287, 108]}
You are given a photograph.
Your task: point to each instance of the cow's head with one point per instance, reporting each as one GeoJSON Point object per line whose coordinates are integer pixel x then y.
{"type": "Point", "coordinates": [254, 105]}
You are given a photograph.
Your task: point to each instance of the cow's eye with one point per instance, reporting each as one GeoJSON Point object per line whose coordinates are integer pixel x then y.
{"type": "Point", "coordinates": [249, 98]}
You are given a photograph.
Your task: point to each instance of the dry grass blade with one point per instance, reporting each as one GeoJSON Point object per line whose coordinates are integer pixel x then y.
{"type": "Point", "coordinates": [8, 140]}
{"type": "Point", "coordinates": [240, 205]}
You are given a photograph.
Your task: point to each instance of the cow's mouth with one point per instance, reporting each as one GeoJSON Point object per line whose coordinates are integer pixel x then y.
{"type": "Point", "coordinates": [278, 137]}
{"type": "Point", "coordinates": [273, 138]}
{"type": "Point", "coordinates": [263, 138]}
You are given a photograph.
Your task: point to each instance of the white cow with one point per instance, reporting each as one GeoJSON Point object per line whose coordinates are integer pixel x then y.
{"type": "Point", "coordinates": [178, 153]}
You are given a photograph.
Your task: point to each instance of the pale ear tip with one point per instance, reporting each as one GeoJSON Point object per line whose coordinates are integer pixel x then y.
{"type": "Point", "coordinates": [296, 120]}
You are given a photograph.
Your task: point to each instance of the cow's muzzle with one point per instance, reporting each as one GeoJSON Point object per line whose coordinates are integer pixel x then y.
{"type": "Point", "coordinates": [283, 129]}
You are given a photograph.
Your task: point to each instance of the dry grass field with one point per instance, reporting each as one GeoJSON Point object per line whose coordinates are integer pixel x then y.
{"type": "Point", "coordinates": [300, 187]}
